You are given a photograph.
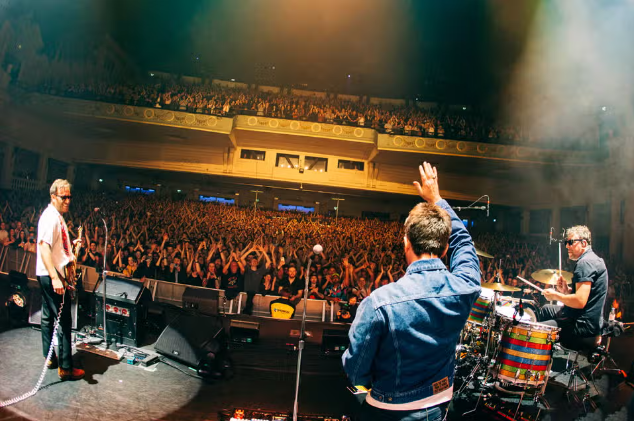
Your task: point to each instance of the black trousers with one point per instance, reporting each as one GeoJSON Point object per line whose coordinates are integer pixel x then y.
{"type": "Point", "coordinates": [552, 315]}
{"type": "Point", "coordinates": [51, 303]}
{"type": "Point", "coordinates": [248, 307]}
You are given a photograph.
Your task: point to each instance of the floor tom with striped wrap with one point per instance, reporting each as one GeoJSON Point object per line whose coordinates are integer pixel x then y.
{"type": "Point", "coordinates": [525, 352]}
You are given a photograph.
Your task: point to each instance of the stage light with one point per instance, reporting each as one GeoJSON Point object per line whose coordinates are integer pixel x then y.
{"type": "Point", "coordinates": [178, 191]}
{"type": "Point", "coordinates": [101, 180]}
{"type": "Point", "coordinates": [233, 80]}
{"type": "Point", "coordinates": [464, 108]}
{"type": "Point", "coordinates": [604, 108]}
{"type": "Point", "coordinates": [18, 299]}
{"type": "Point", "coordinates": [348, 76]}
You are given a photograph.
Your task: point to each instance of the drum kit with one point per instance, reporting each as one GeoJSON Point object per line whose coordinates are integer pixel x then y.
{"type": "Point", "coordinates": [502, 347]}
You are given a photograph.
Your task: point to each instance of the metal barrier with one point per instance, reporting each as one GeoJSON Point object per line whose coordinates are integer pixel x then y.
{"type": "Point", "coordinates": [17, 259]}
{"type": "Point", "coordinates": [172, 293]}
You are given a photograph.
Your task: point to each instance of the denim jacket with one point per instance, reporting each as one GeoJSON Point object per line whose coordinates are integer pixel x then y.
{"type": "Point", "coordinates": [404, 336]}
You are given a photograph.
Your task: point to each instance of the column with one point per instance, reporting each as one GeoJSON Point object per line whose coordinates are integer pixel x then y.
{"type": "Point", "coordinates": [590, 217]}
{"type": "Point", "coordinates": [6, 173]}
{"type": "Point", "coordinates": [616, 228]}
{"type": "Point", "coordinates": [42, 170]}
{"type": "Point", "coordinates": [70, 173]}
{"type": "Point", "coordinates": [526, 219]}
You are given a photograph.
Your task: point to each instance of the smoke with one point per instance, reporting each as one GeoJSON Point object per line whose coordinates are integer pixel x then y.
{"type": "Point", "coordinates": [574, 77]}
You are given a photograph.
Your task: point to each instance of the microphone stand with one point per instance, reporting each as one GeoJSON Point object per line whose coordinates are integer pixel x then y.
{"type": "Point", "coordinates": [301, 341]}
{"type": "Point", "coordinates": [105, 351]}
{"type": "Point", "coordinates": [103, 280]}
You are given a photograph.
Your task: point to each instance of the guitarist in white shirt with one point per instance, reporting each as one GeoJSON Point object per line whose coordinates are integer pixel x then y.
{"type": "Point", "coordinates": [54, 252]}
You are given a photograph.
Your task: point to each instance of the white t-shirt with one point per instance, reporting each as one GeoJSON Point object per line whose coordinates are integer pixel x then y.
{"type": "Point", "coordinates": [51, 229]}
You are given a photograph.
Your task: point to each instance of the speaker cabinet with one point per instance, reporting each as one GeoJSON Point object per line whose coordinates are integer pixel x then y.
{"type": "Point", "coordinates": [204, 301]}
{"type": "Point", "coordinates": [195, 340]}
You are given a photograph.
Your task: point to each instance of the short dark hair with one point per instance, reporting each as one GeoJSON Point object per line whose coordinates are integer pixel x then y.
{"type": "Point", "coordinates": [428, 228]}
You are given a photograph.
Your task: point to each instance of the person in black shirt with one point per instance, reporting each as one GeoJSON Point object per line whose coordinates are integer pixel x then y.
{"type": "Point", "coordinates": [232, 277]}
{"type": "Point", "coordinates": [253, 274]}
{"type": "Point", "coordinates": [581, 316]}
{"type": "Point", "coordinates": [294, 283]}
{"type": "Point", "coordinates": [92, 258]}
{"type": "Point", "coordinates": [176, 273]}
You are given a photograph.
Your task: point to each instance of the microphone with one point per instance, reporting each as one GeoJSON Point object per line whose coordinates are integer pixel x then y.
{"type": "Point", "coordinates": [521, 312]}
{"type": "Point", "coordinates": [318, 249]}
{"type": "Point", "coordinates": [459, 208]}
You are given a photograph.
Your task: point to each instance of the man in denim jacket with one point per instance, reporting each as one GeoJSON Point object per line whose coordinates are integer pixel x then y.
{"type": "Point", "coordinates": [403, 339]}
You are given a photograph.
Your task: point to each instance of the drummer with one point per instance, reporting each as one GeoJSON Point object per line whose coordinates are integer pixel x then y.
{"type": "Point", "coordinates": [580, 317]}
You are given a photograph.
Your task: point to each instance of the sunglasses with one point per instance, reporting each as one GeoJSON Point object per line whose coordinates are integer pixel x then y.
{"type": "Point", "coordinates": [571, 242]}
{"type": "Point", "coordinates": [64, 197]}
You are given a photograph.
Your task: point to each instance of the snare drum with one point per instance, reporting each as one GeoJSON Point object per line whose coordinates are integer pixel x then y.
{"type": "Point", "coordinates": [525, 353]}
{"type": "Point", "coordinates": [482, 307]}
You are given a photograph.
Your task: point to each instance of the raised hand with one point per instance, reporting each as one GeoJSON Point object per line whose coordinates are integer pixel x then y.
{"type": "Point", "coordinates": [428, 187]}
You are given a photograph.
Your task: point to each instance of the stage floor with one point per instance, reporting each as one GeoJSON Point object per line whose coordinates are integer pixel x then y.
{"type": "Point", "coordinates": [264, 378]}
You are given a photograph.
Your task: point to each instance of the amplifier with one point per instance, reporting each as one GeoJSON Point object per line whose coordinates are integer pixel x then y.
{"type": "Point", "coordinates": [334, 341]}
{"type": "Point", "coordinates": [126, 310]}
{"type": "Point", "coordinates": [244, 331]}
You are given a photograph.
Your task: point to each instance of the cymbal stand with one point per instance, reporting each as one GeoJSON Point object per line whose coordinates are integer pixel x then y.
{"type": "Point", "coordinates": [490, 323]}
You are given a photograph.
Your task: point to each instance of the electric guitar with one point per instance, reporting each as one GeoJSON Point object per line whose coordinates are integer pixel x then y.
{"type": "Point", "coordinates": [71, 275]}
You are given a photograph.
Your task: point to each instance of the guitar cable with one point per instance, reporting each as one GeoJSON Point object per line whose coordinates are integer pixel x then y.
{"type": "Point", "coordinates": [48, 358]}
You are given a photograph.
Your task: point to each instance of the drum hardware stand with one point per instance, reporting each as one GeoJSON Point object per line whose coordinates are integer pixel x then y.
{"type": "Point", "coordinates": [573, 387]}
{"type": "Point", "coordinates": [605, 356]}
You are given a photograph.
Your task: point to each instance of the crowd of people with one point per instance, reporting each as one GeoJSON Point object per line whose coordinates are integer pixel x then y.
{"type": "Point", "coordinates": [461, 124]}
{"type": "Point", "coordinates": [235, 249]}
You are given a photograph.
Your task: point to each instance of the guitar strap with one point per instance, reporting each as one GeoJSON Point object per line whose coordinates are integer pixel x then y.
{"type": "Point", "coordinates": [65, 239]}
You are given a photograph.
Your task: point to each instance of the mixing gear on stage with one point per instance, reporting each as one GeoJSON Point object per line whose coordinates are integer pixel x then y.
{"type": "Point", "coordinates": [260, 415]}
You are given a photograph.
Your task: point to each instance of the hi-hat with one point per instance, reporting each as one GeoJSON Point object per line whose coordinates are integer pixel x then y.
{"type": "Point", "coordinates": [497, 286]}
{"type": "Point", "coordinates": [550, 276]}
{"type": "Point", "coordinates": [483, 254]}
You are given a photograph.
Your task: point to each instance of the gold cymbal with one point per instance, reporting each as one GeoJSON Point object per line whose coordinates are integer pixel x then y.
{"type": "Point", "coordinates": [497, 286]}
{"type": "Point", "coordinates": [550, 276]}
{"type": "Point", "coordinates": [483, 254]}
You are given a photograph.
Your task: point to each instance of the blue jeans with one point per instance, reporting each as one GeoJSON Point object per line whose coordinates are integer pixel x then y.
{"type": "Point", "coordinates": [372, 413]}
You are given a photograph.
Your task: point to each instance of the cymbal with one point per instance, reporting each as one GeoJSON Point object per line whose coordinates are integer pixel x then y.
{"type": "Point", "coordinates": [483, 254]}
{"type": "Point", "coordinates": [497, 286]}
{"type": "Point", "coordinates": [550, 276]}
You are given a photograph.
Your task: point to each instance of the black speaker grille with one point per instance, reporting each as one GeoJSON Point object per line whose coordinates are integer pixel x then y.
{"type": "Point", "coordinates": [190, 338]}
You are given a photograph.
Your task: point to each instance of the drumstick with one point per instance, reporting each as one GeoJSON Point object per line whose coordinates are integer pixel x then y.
{"type": "Point", "coordinates": [530, 283]}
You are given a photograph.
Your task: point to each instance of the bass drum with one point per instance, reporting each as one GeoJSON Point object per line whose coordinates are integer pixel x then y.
{"type": "Point", "coordinates": [509, 305]}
